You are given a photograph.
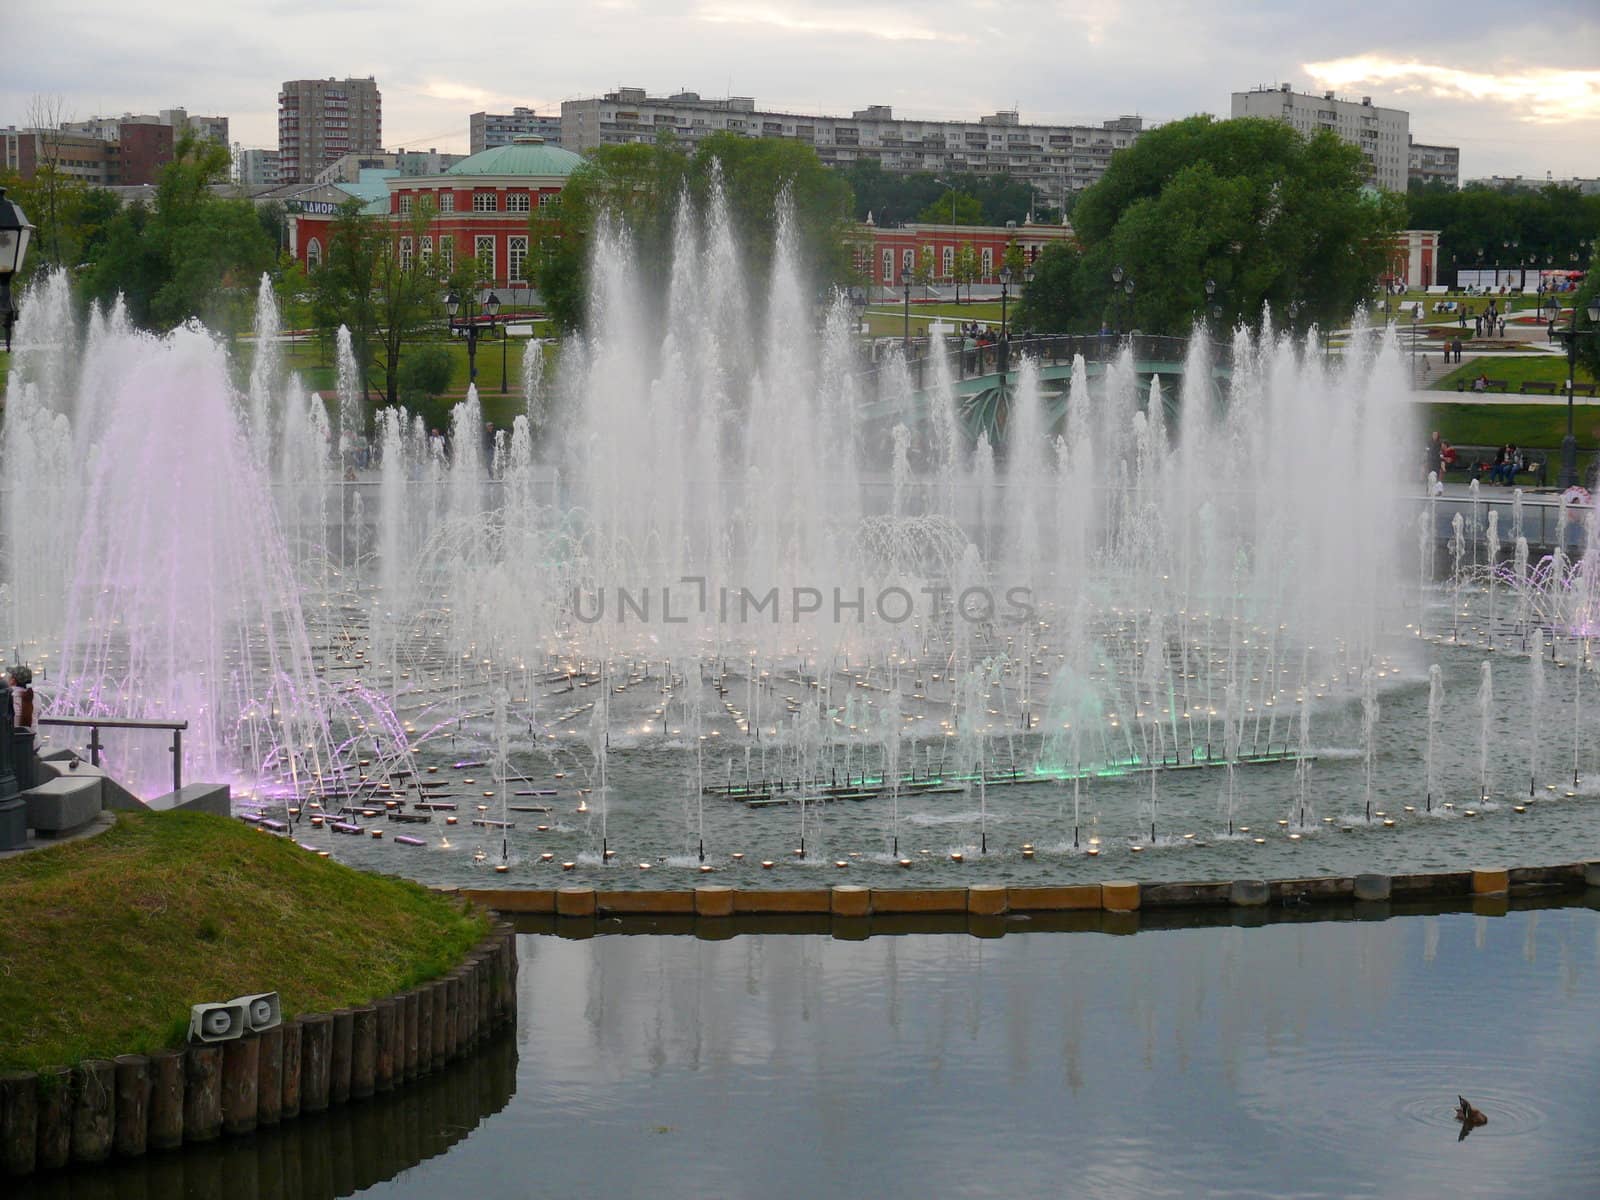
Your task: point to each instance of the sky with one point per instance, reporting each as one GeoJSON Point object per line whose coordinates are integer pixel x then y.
{"type": "Point", "coordinates": [1516, 86]}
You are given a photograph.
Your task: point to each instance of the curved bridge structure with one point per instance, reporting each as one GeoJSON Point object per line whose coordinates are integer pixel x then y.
{"type": "Point", "coordinates": [983, 379]}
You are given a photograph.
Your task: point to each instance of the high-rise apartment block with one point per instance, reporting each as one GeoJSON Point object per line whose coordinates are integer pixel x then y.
{"type": "Point", "coordinates": [1434, 164]}
{"type": "Point", "coordinates": [322, 120]}
{"type": "Point", "coordinates": [1382, 134]}
{"type": "Point", "coordinates": [1055, 159]}
{"type": "Point", "coordinates": [487, 130]}
{"type": "Point", "coordinates": [257, 168]}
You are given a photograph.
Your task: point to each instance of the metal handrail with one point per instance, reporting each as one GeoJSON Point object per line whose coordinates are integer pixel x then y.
{"type": "Point", "coordinates": [95, 724]}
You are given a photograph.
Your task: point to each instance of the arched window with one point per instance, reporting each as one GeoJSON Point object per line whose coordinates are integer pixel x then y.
{"type": "Point", "coordinates": [313, 254]}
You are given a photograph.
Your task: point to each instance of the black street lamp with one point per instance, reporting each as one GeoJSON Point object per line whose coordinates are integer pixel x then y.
{"type": "Point", "coordinates": [505, 337]}
{"type": "Point", "coordinates": [1117, 275]}
{"type": "Point", "coordinates": [468, 322]}
{"type": "Point", "coordinates": [1569, 444]}
{"type": "Point", "coordinates": [15, 232]}
{"type": "Point", "coordinates": [1005, 296]}
{"type": "Point", "coordinates": [1213, 308]}
{"type": "Point", "coordinates": [906, 277]}
{"type": "Point", "coordinates": [1416, 321]}
{"type": "Point", "coordinates": [858, 304]}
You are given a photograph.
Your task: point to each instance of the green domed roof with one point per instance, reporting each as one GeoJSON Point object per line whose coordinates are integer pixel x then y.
{"type": "Point", "coordinates": [522, 157]}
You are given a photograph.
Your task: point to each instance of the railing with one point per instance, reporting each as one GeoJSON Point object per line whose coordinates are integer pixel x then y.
{"type": "Point", "coordinates": [95, 724]}
{"type": "Point", "coordinates": [1055, 350]}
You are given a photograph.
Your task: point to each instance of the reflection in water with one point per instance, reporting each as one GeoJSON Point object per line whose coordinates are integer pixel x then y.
{"type": "Point", "coordinates": [1307, 1057]}
{"type": "Point", "coordinates": [1312, 1058]}
{"type": "Point", "coordinates": [343, 1151]}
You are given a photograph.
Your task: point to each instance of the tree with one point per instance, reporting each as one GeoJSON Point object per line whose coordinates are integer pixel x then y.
{"type": "Point", "coordinates": [641, 187]}
{"type": "Point", "coordinates": [955, 209]}
{"type": "Point", "coordinates": [1271, 216]}
{"type": "Point", "coordinates": [191, 253]}
{"type": "Point", "coordinates": [1012, 258]}
{"type": "Point", "coordinates": [344, 288]}
{"type": "Point", "coordinates": [1588, 332]}
{"type": "Point", "coordinates": [55, 192]}
{"type": "Point", "coordinates": [968, 269]}
{"type": "Point", "coordinates": [1051, 301]}
{"type": "Point", "coordinates": [894, 199]}
{"type": "Point", "coordinates": [1478, 226]}
{"type": "Point", "coordinates": [381, 294]}
{"type": "Point", "coordinates": [407, 293]}
{"type": "Point", "coordinates": [927, 268]}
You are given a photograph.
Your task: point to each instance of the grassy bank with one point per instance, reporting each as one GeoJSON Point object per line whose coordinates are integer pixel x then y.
{"type": "Point", "coordinates": [107, 942]}
{"type": "Point", "coordinates": [1544, 368]}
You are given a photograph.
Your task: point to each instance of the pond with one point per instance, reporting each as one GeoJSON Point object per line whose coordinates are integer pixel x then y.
{"type": "Point", "coordinates": [1302, 1057]}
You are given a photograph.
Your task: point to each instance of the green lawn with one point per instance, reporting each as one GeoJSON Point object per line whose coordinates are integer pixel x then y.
{"type": "Point", "coordinates": [1504, 304]}
{"type": "Point", "coordinates": [106, 942]}
{"type": "Point", "coordinates": [1539, 426]}
{"type": "Point", "coordinates": [888, 320]}
{"type": "Point", "coordinates": [318, 372]}
{"type": "Point", "coordinates": [1514, 370]}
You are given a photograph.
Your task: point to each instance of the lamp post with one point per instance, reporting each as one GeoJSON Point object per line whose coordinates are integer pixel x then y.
{"type": "Point", "coordinates": [1214, 310]}
{"type": "Point", "coordinates": [858, 304]}
{"type": "Point", "coordinates": [1416, 320]}
{"type": "Point", "coordinates": [15, 232]}
{"type": "Point", "coordinates": [468, 322]}
{"type": "Point", "coordinates": [1117, 275]}
{"type": "Point", "coordinates": [1005, 296]}
{"type": "Point", "coordinates": [957, 250]}
{"type": "Point", "coordinates": [505, 336]}
{"type": "Point", "coordinates": [906, 277]}
{"type": "Point", "coordinates": [1569, 444]}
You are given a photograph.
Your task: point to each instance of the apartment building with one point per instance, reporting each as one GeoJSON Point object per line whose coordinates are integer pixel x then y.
{"type": "Point", "coordinates": [90, 160]}
{"type": "Point", "coordinates": [407, 163]}
{"type": "Point", "coordinates": [1434, 164]}
{"type": "Point", "coordinates": [1055, 159]}
{"type": "Point", "coordinates": [485, 130]}
{"type": "Point", "coordinates": [322, 120]}
{"type": "Point", "coordinates": [1382, 134]}
{"type": "Point", "coordinates": [256, 168]}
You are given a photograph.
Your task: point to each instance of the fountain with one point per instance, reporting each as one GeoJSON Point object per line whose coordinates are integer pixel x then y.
{"type": "Point", "coordinates": [721, 562]}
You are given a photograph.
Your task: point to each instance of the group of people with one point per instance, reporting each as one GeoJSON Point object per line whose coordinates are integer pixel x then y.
{"type": "Point", "coordinates": [1441, 456]}
{"type": "Point", "coordinates": [1507, 462]}
{"type": "Point", "coordinates": [1489, 323]}
{"type": "Point", "coordinates": [25, 722]}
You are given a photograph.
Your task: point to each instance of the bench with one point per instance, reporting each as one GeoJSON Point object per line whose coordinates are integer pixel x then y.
{"type": "Point", "coordinates": [1477, 461]}
{"type": "Point", "coordinates": [1540, 387]}
{"type": "Point", "coordinates": [1583, 389]}
{"type": "Point", "coordinates": [1490, 385]}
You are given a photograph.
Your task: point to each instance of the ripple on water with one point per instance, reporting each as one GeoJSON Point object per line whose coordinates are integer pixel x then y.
{"type": "Point", "coordinates": [1379, 1083]}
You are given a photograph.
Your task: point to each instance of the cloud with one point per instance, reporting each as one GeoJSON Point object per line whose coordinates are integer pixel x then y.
{"type": "Point", "coordinates": [1545, 95]}
{"type": "Point", "coordinates": [892, 27]}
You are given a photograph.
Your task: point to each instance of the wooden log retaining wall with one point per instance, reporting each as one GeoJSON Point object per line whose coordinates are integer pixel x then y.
{"type": "Point", "coordinates": [577, 905]}
{"type": "Point", "coordinates": [102, 1109]}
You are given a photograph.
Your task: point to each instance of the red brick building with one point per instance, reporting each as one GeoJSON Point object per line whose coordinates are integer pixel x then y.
{"type": "Point", "coordinates": [1414, 259]}
{"type": "Point", "coordinates": [882, 254]}
{"type": "Point", "coordinates": [142, 150]}
{"type": "Point", "coordinates": [482, 208]}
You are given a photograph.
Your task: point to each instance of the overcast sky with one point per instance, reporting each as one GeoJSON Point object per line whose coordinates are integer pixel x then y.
{"type": "Point", "coordinates": [1515, 85]}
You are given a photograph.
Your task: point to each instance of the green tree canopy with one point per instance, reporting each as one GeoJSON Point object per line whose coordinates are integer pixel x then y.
{"type": "Point", "coordinates": [953, 208]}
{"type": "Point", "coordinates": [381, 295]}
{"type": "Point", "coordinates": [1547, 227]}
{"type": "Point", "coordinates": [642, 185]}
{"type": "Point", "coordinates": [191, 253]}
{"type": "Point", "coordinates": [1588, 331]}
{"type": "Point", "coordinates": [1271, 216]}
{"type": "Point", "coordinates": [893, 198]}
